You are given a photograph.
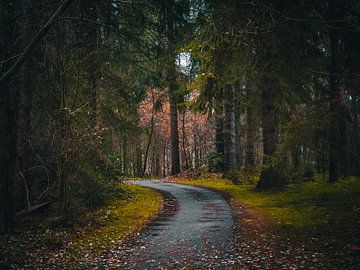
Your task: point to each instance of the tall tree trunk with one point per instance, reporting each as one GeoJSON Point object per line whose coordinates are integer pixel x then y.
{"type": "Point", "coordinates": [185, 159]}
{"type": "Point", "coordinates": [164, 161]}
{"type": "Point", "coordinates": [174, 129]}
{"type": "Point", "coordinates": [91, 39]}
{"type": "Point", "coordinates": [169, 17]}
{"type": "Point", "coordinates": [175, 153]}
{"type": "Point", "coordinates": [239, 138]}
{"type": "Point", "coordinates": [22, 181]}
{"type": "Point", "coordinates": [148, 144]}
{"type": "Point", "coordinates": [268, 177]}
{"type": "Point", "coordinates": [250, 137]}
{"type": "Point", "coordinates": [219, 143]}
{"type": "Point", "coordinates": [138, 168]}
{"type": "Point", "coordinates": [337, 131]}
{"type": "Point", "coordinates": [229, 130]}
{"type": "Point", "coordinates": [8, 109]}
{"type": "Point", "coordinates": [333, 127]}
{"type": "Point", "coordinates": [7, 154]}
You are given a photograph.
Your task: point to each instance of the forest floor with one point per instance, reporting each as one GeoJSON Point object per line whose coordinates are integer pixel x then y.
{"type": "Point", "coordinates": [42, 243]}
{"type": "Point", "coordinates": [312, 225]}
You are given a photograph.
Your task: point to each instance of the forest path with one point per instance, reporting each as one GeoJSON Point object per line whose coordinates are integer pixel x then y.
{"type": "Point", "coordinates": [194, 231]}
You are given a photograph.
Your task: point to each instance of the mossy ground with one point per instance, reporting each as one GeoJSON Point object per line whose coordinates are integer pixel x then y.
{"type": "Point", "coordinates": [316, 209]}
{"type": "Point", "coordinates": [94, 232]}
{"type": "Point", "coordinates": [121, 217]}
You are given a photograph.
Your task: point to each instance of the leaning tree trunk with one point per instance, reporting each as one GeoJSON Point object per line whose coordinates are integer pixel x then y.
{"type": "Point", "coordinates": [269, 177]}
{"type": "Point", "coordinates": [229, 130]}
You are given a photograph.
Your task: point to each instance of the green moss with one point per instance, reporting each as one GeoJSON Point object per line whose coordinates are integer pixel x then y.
{"type": "Point", "coordinates": [92, 233]}
{"type": "Point", "coordinates": [120, 218]}
{"type": "Point", "coordinates": [312, 209]}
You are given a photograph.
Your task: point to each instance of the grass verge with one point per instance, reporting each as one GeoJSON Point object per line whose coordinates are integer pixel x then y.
{"type": "Point", "coordinates": [312, 210]}
{"type": "Point", "coordinates": [59, 248]}
{"type": "Point", "coordinates": [121, 217]}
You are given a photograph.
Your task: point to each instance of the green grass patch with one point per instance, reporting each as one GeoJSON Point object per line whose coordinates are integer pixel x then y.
{"type": "Point", "coordinates": [92, 232]}
{"type": "Point", "coordinates": [314, 209]}
{"type": "Point", "coordinates": [121, 217]}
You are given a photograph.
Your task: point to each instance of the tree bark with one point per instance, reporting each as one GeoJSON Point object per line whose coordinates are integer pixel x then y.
{"type": "Point", "coordinates": [333, 138]}
{"type": "Point", "coordinates": [219, 143]}
{"type": "Point", "coordinates": [7, 154]}
{"type": "Point", "coordinates": [250, 137]}
{"type": "Point", "coordinates": [338, 137]}
{"type": "Point", "coordinates": [229, 130]}
{"type": "Point", "coordinates": [8, 109]}
{"type": "Point", "coordinates": [183, 142]}
{"type": "Point", "coordinates": [175, 153]}
{"type": "Point", "coordinates": [148, 144]}
{"type": "Point", "coordinates": [91, 40]}
{"type": "Point", "coordinates": [269, 177]}
{"type": "Point", "coordinates": [22, 181]}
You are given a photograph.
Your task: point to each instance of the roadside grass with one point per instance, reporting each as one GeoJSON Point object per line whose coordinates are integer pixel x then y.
{"type": "Point", "coordinates": [315, 210]}
{"type": "Point", "coordinates": [121, 217]}
{"type": "Point", "coordinates": [93, 232]}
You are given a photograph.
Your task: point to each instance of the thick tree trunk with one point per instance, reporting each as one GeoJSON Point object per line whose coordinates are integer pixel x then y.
{"type": "Point", "coordinates": [22, 181]}
{"type": "Point", "coordinates": [339, 164]}
{"type": "Point", "coordinates": [229, 130]}
{"type": "Point", "coordinates": [175, 153]}
{"type": "Point", "coordinates": [269, 177]}
{"type": "Point", "coordinates": [8, 109]}
{"type": "Point", "coordinates": [7, 155]}
{"type": "Point", "coordinates": [333, 126]}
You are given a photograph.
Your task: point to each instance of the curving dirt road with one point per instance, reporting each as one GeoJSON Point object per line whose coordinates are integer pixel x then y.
{"type": "Point", "coordinates": [195, 231]}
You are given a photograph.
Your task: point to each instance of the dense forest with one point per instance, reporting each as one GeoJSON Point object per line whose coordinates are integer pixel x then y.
{"type": "Point", "coordinates": [96, 92]}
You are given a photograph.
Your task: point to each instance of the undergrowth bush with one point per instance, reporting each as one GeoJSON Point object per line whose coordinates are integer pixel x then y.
{"type": "Point", "coordinates": [94, 188]}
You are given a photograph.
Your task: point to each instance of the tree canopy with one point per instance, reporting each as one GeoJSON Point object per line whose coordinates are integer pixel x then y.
{"type": "Point", "coordinates": [94, 92]}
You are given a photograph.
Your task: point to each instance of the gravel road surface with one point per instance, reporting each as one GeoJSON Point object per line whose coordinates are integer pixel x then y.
{"type": "Point", "coordinates": [195, 231]}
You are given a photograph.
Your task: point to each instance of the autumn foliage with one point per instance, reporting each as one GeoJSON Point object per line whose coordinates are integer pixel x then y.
{"type": "Point", "coordinates": [196, 132]}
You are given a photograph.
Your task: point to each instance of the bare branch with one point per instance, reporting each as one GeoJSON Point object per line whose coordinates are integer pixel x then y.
{"type": "Point", "coordinates": [35, 41]}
